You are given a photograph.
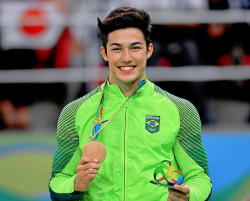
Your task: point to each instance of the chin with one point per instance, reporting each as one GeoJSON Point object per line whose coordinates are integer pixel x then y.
{"type": "Point", "coordinates": [129, 80]}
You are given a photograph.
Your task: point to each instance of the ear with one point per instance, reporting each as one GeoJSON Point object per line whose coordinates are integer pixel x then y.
{"type": "Point", "coordinates": [104, 55]}
{"type": "Point", "coordinates": [150, 50]}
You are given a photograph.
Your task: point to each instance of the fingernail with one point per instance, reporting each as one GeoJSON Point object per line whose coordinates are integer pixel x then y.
{"type": "Point", "coordinates": [95, 160]}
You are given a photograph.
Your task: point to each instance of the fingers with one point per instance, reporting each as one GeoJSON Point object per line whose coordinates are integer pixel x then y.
{"type": "Point", "coordinates": [173, 197]}
{"type": "Point", "coordinates": [183, 188]}
{"type": "Point", "coordinates": [86, 170]}
{"type": "Point", "coordinates": [87, 166]}
{"type": "Point", "coordinates": [85, 173]}
{"type": "Point", "coordinates": [180, 194]}
{"type": "Point", "coordinates": [86, 159]}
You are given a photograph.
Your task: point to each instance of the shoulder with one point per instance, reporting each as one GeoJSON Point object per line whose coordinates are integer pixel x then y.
{"type": "Point", "coordinates": [71, 108]}
{"type": "Point", "coordinates": [183, 105]}
{"type": "Point", "coordinates": [188, 114]}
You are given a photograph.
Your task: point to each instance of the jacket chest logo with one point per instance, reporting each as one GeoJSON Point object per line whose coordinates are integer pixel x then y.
{"type": "Point", "coordinates": [152, 123]}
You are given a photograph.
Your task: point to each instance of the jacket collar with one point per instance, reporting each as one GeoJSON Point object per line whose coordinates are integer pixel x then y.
{"type": "Point", "coordinates": [114, 89]}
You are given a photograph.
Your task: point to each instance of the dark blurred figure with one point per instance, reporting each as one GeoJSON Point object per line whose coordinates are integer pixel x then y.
{"type": "Point", "coordinates": [218, 4]}
{"type": "Point", "coordinates": [30, 106]}
{"type": "Point", "coordinates": [12, 116]}
{"type": "Point", "coordinates": [228, 4]}
{"type": "Point", "coordinates": [224, 45]}
{"type": "Point", "coordinates": [178, 46]}
{"type": "Point", "coordinates": [245, 4]}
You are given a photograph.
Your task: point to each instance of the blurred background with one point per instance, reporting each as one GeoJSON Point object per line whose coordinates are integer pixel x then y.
{"type": "Point", "coordinates": [50, 55]}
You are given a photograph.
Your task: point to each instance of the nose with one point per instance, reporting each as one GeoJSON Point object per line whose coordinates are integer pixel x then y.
{"type": "Point", "coordinates": [126, 56]}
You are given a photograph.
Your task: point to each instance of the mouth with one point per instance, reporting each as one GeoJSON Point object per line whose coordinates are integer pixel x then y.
{"type": "Point", "coordinates": [126, 68]}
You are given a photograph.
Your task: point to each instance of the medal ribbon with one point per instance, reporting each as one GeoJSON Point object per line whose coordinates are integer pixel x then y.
{"type": "Point", "coordinates": [97, 124]}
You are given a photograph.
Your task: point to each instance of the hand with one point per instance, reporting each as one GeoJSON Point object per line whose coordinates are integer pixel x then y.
{"type": "Point", "coordinates": [85, 173]}
{"type": "Point", "coordinates": [180, 194]}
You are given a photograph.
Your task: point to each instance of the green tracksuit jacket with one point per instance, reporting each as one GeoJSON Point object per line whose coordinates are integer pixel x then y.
{"type": "Point", "coordinates": [134, 147]}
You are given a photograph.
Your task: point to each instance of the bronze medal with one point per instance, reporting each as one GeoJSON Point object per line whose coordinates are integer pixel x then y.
{"type": "Point", "coordinates": [94, 149]}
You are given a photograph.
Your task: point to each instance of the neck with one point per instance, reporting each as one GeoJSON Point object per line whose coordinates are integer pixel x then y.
{"type": "Point", "coordinates": [127, 88]}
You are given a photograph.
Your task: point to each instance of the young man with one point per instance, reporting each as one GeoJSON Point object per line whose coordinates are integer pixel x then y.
{"type": "Point", "coordinates": [139, 124]}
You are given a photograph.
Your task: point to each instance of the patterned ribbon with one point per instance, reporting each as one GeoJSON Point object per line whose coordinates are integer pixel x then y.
{"type": "Point", "coordinates": [99, 113]}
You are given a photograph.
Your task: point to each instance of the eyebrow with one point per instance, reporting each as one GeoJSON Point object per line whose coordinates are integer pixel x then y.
{"type": "Point", "coordinates": [136, 43]}
{"type": "Point", "coordinates": [118, 44]}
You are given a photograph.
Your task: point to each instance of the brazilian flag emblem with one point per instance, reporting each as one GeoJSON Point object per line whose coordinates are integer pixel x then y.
{"type": "Point", "coordinates": [152, 123]}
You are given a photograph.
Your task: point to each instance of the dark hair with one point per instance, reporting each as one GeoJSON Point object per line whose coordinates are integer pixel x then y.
{"type": "Point", "coordinates": [124, 17]}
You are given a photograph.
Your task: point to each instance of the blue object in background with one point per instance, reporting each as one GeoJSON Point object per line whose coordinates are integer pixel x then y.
{"type": "Point", "coordinates": [229, 164]}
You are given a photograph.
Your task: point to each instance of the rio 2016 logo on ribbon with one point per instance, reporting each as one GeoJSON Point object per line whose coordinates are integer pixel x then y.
{"type": "Point", "coordinates": [152, 123]}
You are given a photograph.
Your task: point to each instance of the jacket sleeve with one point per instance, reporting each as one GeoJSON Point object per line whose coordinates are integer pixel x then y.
{"type": "Point", "coordinates": [191, 155]}
{"type": "Point", "coordinates": [66, 158]}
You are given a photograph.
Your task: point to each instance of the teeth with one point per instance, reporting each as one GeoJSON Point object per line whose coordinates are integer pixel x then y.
{"type": "Point", "coordinates": [126, 68]}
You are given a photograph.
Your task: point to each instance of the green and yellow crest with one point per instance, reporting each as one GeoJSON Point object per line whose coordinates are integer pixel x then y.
{"type": "Point", "coordinates": [152, 123]}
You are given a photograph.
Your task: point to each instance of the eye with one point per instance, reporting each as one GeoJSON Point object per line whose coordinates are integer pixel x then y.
{"type": "Point", "coordinates": [116, 49]}
{"type": "Point", "coordinates": [136, 48]}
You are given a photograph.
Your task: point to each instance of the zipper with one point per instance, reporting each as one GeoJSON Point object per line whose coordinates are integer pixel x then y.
{"type": "Point", "coordinates": [126, 107]}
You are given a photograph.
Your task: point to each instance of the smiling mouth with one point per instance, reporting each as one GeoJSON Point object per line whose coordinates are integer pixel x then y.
{"type": "Point", "coordinates": [126, 68]}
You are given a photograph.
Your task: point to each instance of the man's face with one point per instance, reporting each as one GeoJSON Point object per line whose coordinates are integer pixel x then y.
{"type": "Point", "coordinates": [127, 55]}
